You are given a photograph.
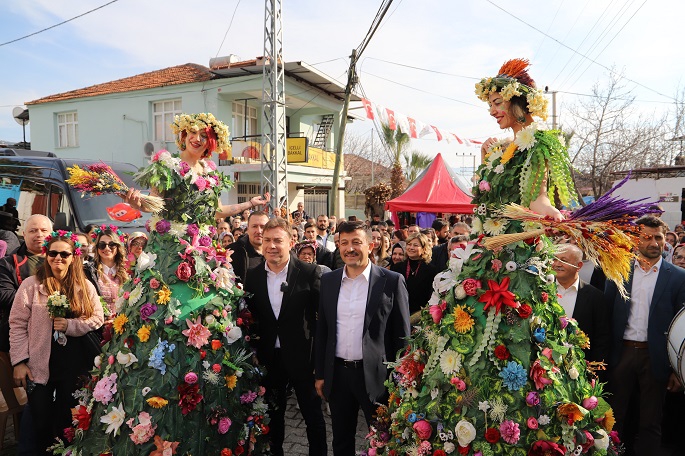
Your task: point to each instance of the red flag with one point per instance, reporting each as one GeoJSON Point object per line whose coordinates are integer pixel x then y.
{"type": "Point", "coordinates": [437, 132]}
{"type": "Point", "coordinates": [392, 124]}
{"type": "Point", "coordinates": [368, 108]}
{"type": "Point", "coordinates": [457, 138]}
{"type": "Point", "coordinates": [412, 127]}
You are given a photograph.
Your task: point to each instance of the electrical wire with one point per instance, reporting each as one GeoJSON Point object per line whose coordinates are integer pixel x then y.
{"type": "Point", "coordinates": [548, 28]}
{"type": "Point", "coordinates": [422, 69]}
{"type": "Point", "coordinates": [230, 24]}
{"type": "Point", "coordinates": [612, 71]}
{"type": "Point", "coordinates": [423, 91]}
{"type": "Point", "coordinates": [56, 25]}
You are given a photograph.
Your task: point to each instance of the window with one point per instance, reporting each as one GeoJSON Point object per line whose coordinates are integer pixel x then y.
{"type": "Point", "coordinates": [163, 113]}
{"type": "Point", "coordinates": [247, 191]}
{"type": "Point", "coordinates": [67, 129]}
{"type": "Point", "coordinates": [244, 120]}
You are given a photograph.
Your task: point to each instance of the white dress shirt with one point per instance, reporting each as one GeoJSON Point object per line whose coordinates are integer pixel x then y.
{"type": "Point", "coordinates": [111, 272]}
{"type": "Point", "coordinates": [585, 272]}
{"type": "Point", "coordinates": [568, 296]}
{"type": "Point", "coordinates": [273, 285]}
{"type": "Point", "coordinates": [350, 315]}
{"type": "Point", "coordinates": [641, 294]}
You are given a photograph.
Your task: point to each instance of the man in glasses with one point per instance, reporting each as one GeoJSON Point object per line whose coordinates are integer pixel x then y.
{"type": "Point", "coordinates": [583, 302]}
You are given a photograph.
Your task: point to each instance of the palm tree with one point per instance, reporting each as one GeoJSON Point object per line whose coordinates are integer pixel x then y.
{"type": "Point", "coordinates": [397, 142]}
{"type": "Point", "coordinates": [415, 162]}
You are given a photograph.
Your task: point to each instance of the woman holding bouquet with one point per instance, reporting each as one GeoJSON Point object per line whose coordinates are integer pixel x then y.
{"type": "Point", "coordinates": [108, 267]}
{"type": "Point", "coordinates": [177, 375]}
{"type": "Point", "coordinates": [48, 353]}
{"type": "Point", "coordinates": [495, 367]}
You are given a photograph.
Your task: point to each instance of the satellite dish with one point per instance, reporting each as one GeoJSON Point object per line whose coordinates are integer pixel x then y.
{"type": "Point", "coordinates": [148, 148]}
{"type": "Point", "coordinates": [21, 116]}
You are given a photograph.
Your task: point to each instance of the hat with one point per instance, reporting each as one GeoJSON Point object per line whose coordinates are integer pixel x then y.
{"type": "Point", "coordinates": [306, 243]}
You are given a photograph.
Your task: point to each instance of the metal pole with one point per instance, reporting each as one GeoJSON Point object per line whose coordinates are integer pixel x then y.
{"type": "Point", "coordinates": [372, 159]}
{"type": "Point", "coordinates": [554, 110]}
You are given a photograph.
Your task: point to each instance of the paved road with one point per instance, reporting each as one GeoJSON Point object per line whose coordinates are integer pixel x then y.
{"type": "Point", "coordinates": [295, 435]}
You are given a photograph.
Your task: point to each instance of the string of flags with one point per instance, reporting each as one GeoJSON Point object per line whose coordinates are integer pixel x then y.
{"type": "Point", "coordinates": [415, 128]}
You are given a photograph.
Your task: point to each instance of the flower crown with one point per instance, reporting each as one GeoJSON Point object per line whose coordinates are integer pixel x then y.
{"type": "Point", "coordinates": [98, 230]}
{"type": "Point", "coordinates": [197, 122]}
{"type": "Point", "coordinates": [513, 80]}
{"type": "Point", "coordinates": [304, 244]}
{"type": "Point", "coordinates": [62, 234]}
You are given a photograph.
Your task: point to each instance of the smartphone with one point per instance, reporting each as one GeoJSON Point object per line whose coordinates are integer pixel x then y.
{"type": "Point", "coordinates": [30, 386]}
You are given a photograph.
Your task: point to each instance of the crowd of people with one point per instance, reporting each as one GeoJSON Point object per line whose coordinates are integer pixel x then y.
{"type": "Point", "coordinates": [191, 336]}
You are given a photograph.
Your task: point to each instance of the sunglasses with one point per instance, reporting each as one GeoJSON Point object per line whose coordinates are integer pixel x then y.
{"type": "Point", "coordinates": [63, 255]}
{"type": "Point", "coordinates": [136, 244]}
{"type": "Point", "coordinates": [104, 245]}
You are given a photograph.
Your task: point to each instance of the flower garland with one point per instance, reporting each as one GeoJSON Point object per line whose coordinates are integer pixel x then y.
{"type": "Point", "coordinates": [197, 122]}
{"type": "Point", "coordinates": [98, 230]}
{"type": "Point", "coordinates": [63, 234]}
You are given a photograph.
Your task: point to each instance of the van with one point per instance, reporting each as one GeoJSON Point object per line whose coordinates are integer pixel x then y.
{"type": "Point", "coordinates": [36, 180]}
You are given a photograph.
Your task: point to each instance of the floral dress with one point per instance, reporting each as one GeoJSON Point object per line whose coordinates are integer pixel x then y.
{"type": "Point", "coordinates": [495, 367]}
{"type": "Point", "coordinates": [177, 376]}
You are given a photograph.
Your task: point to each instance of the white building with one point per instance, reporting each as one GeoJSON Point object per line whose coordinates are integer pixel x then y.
{"type": "Point", "coordinates": [128, 119]}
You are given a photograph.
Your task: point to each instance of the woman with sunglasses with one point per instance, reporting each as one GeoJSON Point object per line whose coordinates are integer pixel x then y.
{"type": "Point", "coordinates": [108, 268]}
{"type": "Point", "coordinates": [47, 366]}
{"type": "Point", "coordinates": [181, 319]}
{"type": "Point", "coordinates": [136, 243]}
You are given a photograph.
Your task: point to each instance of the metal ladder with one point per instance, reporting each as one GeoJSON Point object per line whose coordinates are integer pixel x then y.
{"type": "Point", "coordinates": [323, 131]}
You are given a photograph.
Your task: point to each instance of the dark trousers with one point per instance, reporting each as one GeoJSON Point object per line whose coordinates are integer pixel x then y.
{"type": "Point", "coordinates": [348, 394]}
{"type": "Point", "coordinates": [51, 411]}
{"type": "Point", "coordinates": [633, 374]}
{"type": "Point", "coordinates": [276, 383]}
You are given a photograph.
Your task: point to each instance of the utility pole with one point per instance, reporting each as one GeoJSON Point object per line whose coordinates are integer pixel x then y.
{"type": "Point", "coordinates": [373, 159]}
{"type": "Point", "coordinates": [554, 107]}
{"type": "Point", "coordinates": [273, 155]}
{"type": "Point", "coordinates": [351, 82]}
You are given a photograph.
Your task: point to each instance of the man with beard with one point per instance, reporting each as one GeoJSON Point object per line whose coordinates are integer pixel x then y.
{"type": "Point", "coordinates": [247, 250]}
{"type": "Point", "coordinates": [639, 365]}
{"type": "Point", "coordinates": [322, 237]}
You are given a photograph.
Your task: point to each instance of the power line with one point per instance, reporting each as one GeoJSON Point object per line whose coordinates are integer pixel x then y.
{"type": "Point", "coordinates": [423, 91]}
{"type": "Point", "coordinates": [57, 25]}
{"type": "Point", "coordinates": [612, 71]}
{"type": "Point", "coordinates": [230, 24]}
{"type": "Point", "coordinates": [422, 69]}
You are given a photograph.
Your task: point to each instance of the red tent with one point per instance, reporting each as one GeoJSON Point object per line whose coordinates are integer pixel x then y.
{"type": "Point", "coordinates": [433, 191]}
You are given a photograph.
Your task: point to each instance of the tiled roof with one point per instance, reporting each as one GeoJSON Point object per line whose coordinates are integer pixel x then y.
{"type": "Point", "coordinates": [181, 74]}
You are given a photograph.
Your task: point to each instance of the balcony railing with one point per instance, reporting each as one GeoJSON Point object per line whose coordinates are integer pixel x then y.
{"type": "Point", "coordinates": [247, 150]}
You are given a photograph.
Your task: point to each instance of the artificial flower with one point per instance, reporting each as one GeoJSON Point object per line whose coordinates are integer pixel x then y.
{"type": "Point", "coordinates": [157, 402]}
{"type": "Point", "coordinates": [231, 381]}
{"type": "Point", "coordinates": [539, 375]}
{"type": "Point", "coordinates": [190, 378]}
{"type": "Point", "coordinates": [437, 311]}
{"type": "Point", "coordinates": [119, 323]}
{"type": "Point", "coordinates": [465, 432]}
{"type": "Point", "coordinates": [524, 311]}
{"type": "Point", "coordinates": [572, 412]}
{"type": "Point", "coordinates": [189, 397]}
{"type": "Point", "coordinates": [510, 431]}
{"type": "Point", "coordinates": [609, 420]}
{"type": "Point", "coordinates": [197, 334]}
{"type": "Point", "coordinates": [501, 352]}
{"type": "Point", "coordinates": [144, 333]}
{"type": "Point", "coordinates": [114, 419]}
{"type": "Point", "coordinates": [143, 431]}
{"type": "Point", "coordinates": [525, 139]}
{"type": "Point", "coordinates": [484, 186]}
{"type": "Point", "coordinates": [544, 420]}
{"type": "Point", "coordinates": [450, 361]}
{"type": "Point", "coordinates": [511, 266]}
{"type": "Point", "coordinates": [513, 376]}
{"type": "Point", "coordinates": [499, 169]}
{"type": "Point", "coordinates": [497, 295]}
{"type": "Point", "coordinates": [145, 260]}
{"type": "Point", "coordinates": [126, 359]}
{"type": "Point", "coordinates": [459, 292]}
{"type": "Point", "coordinates": [573, 373]}
{"type": "Point", "coordinates": [145, 391]}
{"type": "Point", "coordinates": [533, 398]}
{"type": "Point", "coordinates": [81, 417]}
{"type": "Point", "coordinates": [498, 409]}
{"type": "Point", "coordinates": [532, 423]}
{"type": "Point", "coordinates": [224, 425]}
{"type": "Point", "coordinates": [602, 442]}
{"type": "Point", "coordinates": [463, 322]}
{"type": "Point", "coordinates": [508, 153]}
{"type": "Point", "coordinates": [233, 334]}
{"type": "Point", "coordinates": [105, 389]}
{"type": "Point", "coordinates": [590, 402]}
{"type": "Point", "coordinates": [423, 429]}
{"type": "Point", "coordinates": [164, 295]}
{"type": "Point", "coordinates": [164, 448]}
{"type": "Point", "coordinates": [492, 435]}
{"type": "Point", "coordinates": [157, 354]}
{"type": "Point", "coordinates": [546, 448]}
{"type": "Point", "coordinates": [494, 226]}
{"type": "Point", "coordinates": [471, 286]}
{"type": "Point", "coordinates": [146, 311]}
{"type": "Point", "coordinates": [248, 398]}
{"type": "Point", "coordinates": [540, 335]}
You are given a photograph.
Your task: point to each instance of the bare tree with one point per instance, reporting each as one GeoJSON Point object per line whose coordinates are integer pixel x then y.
{"type": "Point", "coordinates": [677, 119]}
{"type": "Point", "coordinates": [366, 162]}
{"type": "Point", "coordinates": [609, 135]}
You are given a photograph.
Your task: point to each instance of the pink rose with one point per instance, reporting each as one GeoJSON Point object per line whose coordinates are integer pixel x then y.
{"type": "Point", "coordinates": [532, 423]}
{"type": "Point", "coordinates": [210, 164]}
{"type": "Point", "coordinates": [224, 425]}
{"type": "Point", "coordinates": [201, 183]}
{"type": "Point", "coordinates": [590, 402]}
{"type": "Point", "coordinates": [190, 378]}
{"type": "Point", "coordinates": [484, 186]}
{"type": "Point", "coordinates": [436, 312]}
{"type": "Point", "coordinates": [154, 283]}
{"type": "Point", "coordinates": [471, 286]}
{"type": "Point", "coordinates": [184, 271]}
{"type": "Point", "coordinates": [423, 429]}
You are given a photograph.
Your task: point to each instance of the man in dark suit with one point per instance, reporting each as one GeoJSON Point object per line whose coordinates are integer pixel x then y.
{"type": "Point", "coordinates": [285, 296]}
{"type": "Point", "coordinates": [584, 303]}
{"type": "Point", "coordinates": [363, 320]}
{"type": "Point", "coordinates": [247, 249]}
{"type": "Point", "coordinates": [639, 360]}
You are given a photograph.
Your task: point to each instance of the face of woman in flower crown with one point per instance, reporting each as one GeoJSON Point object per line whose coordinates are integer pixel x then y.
{"type": "Point", "coordinates": [106, 252]}
{"type": "Point", "coordinates": [196, 142]}
{"type": "Point", "coordinates": [501, 111]}
{"type": "Point", "coordinates": [60, 265]}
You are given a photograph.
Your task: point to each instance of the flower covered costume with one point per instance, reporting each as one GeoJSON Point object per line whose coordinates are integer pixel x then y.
{"type": "Point", "coordinates": [495, 367]}
{"type": "Point", "coordinates": [177, 377]}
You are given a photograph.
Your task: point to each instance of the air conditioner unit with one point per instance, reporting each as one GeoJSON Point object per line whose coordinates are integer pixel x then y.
{"type": "Point", "coordinates": [148, 148]}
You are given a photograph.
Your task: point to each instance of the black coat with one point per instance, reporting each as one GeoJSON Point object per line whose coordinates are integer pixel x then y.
{"type": "Point", "coordinates": [386, 325]}
{"type": "Point", "coordinates": [419, 285]}
{"type": "Point", "coordinates": [244, 257]}
{"type": "Point", "coordinates": [296, 321]}
{"type": "Point", "coordinates": [594, 319]}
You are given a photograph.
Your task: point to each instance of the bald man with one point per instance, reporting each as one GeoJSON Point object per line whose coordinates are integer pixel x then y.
{"type": "Point", "coordinates": [583, 302]}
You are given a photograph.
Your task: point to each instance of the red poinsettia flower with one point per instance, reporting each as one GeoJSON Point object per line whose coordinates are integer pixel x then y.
{"type": "Point", "coordinates": [498, 295]}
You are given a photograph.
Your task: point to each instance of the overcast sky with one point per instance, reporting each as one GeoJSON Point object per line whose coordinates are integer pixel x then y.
{"type": "Point", "coordinates": [454, 43]}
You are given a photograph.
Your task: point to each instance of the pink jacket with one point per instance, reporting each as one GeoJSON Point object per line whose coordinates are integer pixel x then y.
{"type": "Point", "coordinates": [31, 327]}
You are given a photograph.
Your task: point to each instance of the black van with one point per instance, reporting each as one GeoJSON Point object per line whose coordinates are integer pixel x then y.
{"type": "Point", "coordinates": [36, 180]}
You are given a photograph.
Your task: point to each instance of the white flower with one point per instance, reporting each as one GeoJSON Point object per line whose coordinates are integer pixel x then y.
{"type": "Point", "coordinates": [169, 161]}
{"type": "Point", "coordinates": [233, 334]}
{"type": "Point", "coordinates": [177, 229]}
{"type": "Point", "coordinates": [444, 281]}
{"type": "Point", "coordinates": [97, 361]}
{"type": "Point", "coordinates": [601, 443]}
{"type": "Point", "coordinates": [482, 209]}
{"type": "Point", "coordinates": [499, 408]}
{"type": "Point", "coordinates": [573, 373]}
{"type": "Point", "coordinates": [543, 420]}
{"type": "Point", "coordinates": [136, 294]}
{"type": "Point", "coordinates": [450, 361]}
{"type": "Point", "coordinates": [477, 226]}
{"type": "Point", "coordinates": [145, 391]}
{"type": "Point", "coordinates": [483, 406]}
{"type": "Point", "coordinates": [119, 304]}
{"type": "Point", "coordinates": [499, 169]}
{"type": "Point", "coordinates": [406, 434]}
{"type": "Point", "coordinates": [224, 278]}
{"type": "Point", "coordinates": [465, 432]}
{"type": "Point", "coordinates": [525, 139]}
{"type": "Point", "coordinates": [550, 278]}
{"type": "Point", "coordinates": [145, 260]}
{"type": "Point", "coordinates": [211, 376]}
{"type": "Point", "coordinates": [495, 226]}
{"type": "Point", "coordinates": [126, 358]}
{"type": "Point", "coordinates": [114, 419]}
{"type": "Point", "coordinates": [510, 266]}
{"type": "Point", "coordinates": [459, 292]}
{"type": "Point", "coordinates": [448, 447]}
